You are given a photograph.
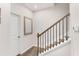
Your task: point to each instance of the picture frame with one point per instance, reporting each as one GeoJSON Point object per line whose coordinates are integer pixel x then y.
{"type": "Point", "coordinates": [28, 26]}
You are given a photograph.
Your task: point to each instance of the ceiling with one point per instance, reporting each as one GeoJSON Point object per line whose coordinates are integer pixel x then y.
{"type": "Point", "coordinates": [38, 6]}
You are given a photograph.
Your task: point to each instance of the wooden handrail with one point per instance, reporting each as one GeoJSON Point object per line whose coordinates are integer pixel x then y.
{"type": "Point", "coordinates": [53, 37]}
{"type": "Point", "coordinates": [54, 24]}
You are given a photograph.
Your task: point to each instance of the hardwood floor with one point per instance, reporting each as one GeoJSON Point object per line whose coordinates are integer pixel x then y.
{"type": "Point", "coordinates": [33, 50]}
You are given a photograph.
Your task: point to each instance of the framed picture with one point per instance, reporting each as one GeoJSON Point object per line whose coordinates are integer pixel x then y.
{"type": "Point", "coordinates": [27, 26]}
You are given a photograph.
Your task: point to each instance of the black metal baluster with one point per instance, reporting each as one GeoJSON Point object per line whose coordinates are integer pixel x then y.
{"type": "Point", "coordinates": [40, 44]}
{"type": "Point", "coordinates": [63, 30]}
{"type": "Point", "coordinates": [50, 38]}
{"type": "Point", "coordinates": [45, 41]}
{"type": "Point", "coordinates": [66, 27]}
{"type": "Point", "coordinates": [37, 44]}
{"type": "Point", "coordinates": [53, 36]}
{"type": "Point", "coordinates": [59, 33]}
{"type": "Point", "coordinates": [56, 34]}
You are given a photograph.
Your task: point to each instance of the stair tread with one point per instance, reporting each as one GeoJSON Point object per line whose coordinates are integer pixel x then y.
{"type": "Point", "coordinates": [33, 50]}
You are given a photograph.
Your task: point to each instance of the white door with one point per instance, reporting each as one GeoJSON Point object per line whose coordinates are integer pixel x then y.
{"type": "Point", "coordinates": [15, 34]}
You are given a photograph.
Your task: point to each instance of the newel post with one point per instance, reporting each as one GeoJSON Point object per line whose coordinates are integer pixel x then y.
{"type": "Point", "coordinates": [37, 44]}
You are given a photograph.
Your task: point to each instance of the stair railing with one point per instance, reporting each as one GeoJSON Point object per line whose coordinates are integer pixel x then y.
{"type": "Point", "coordinates": [53, 35]}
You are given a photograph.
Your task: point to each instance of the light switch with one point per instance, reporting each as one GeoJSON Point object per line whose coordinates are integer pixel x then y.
{"type": "Point", "coordinates": [76, 28]}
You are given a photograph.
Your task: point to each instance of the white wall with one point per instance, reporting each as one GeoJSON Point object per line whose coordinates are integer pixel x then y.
{"type": "Point", "coordinates": [74, 11]}
{"type": "Point", "coordinates": [47, 17]}
{"type": "Point", "coordinates": [28, 40]}
{"type": "Point", "coordinates": [4, 29]}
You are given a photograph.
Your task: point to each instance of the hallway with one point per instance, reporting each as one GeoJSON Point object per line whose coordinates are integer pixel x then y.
{"type": "Point", "coordinates": [31, 29]}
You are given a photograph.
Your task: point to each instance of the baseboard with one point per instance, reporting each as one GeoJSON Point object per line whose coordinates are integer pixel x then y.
{"type": "Point", "coordinates": [56, 47]}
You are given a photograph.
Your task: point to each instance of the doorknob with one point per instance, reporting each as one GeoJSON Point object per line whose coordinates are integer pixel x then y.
{"type": "Point", "coordinates": [18, 36]}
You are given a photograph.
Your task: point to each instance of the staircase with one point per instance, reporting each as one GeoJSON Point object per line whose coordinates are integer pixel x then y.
{"type": "Point", "coordinates": [50, 38]}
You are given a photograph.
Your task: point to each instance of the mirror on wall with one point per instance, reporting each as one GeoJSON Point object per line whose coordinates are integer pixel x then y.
{"type": "Point", "coordinates": [27, 26]}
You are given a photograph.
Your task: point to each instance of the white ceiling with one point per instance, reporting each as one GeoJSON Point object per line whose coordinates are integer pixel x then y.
{"type": "Point", "coordinates": [38, 6]}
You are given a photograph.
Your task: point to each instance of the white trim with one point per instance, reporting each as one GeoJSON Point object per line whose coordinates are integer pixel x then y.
{"type": "Point", "coordinates": [20, 27]}
{"type": "Point", "coordinates": [27, 7]}
{"type": "Point", "coordinates": [56, 47]}
{"type": "Point", "coordinates": [35, 10]}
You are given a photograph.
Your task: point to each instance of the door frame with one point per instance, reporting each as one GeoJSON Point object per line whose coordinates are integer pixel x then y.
{"type": "Point", "coordinates": [19, 37]}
